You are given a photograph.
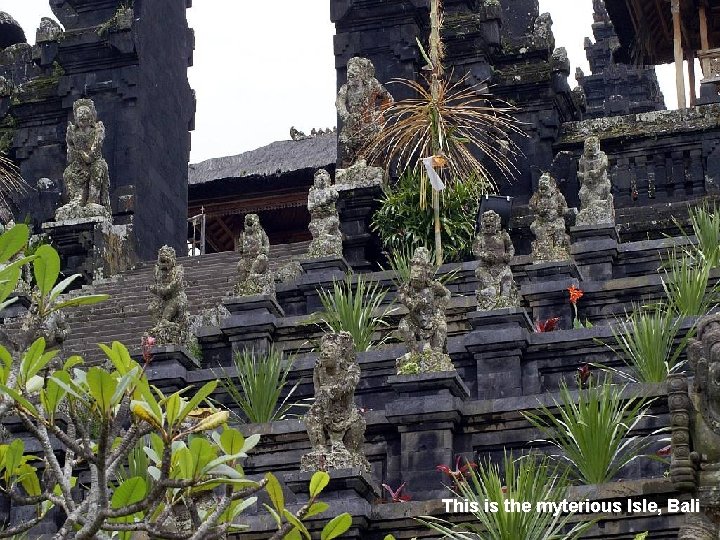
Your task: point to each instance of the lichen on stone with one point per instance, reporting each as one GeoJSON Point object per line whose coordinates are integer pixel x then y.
{"type": "Point", "coordinates": [324, 219]}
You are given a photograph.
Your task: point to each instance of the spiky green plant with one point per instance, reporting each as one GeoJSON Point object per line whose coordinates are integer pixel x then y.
{"type": "Point", "coordinates": [531, 479]}
{"type": "Point", "coordinates": [10, 182]}
{"type": "Point", "coordinates": [705, 222]}
{"type": "Point", "coordinates": [686, 280]}
{"type": "Point", "coordinates": [592, 430]}
{"type": "Point", "coordinates": [261, 379]}
{"type": "Point", "coordinates": [646, 342]}
{"type": "Point", "coordinates": [352, 306]}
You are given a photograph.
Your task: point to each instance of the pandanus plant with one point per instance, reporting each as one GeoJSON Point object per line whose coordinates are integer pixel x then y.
{"type": "Point", "coordinates": [445, 122]}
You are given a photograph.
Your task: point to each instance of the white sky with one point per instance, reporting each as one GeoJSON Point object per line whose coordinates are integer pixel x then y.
{"type": "Point", "coordinates": [261, 67]}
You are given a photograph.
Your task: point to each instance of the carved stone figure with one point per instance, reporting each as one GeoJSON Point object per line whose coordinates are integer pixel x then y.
{"type": "Point", "coordinates": [86, 177]}
{"type": "Point", "coordinates": [359, 175]}
{"type": "Point", "coordinates": [596, 200]}
{"type": "Point", "coordinates": [169, 305]}
{"type": "Point", "coordinates": [494, 248]}
{"type": "Point", "coordinates": [334, 424]}
{"type": "Point", "coordinates": [324, 219]}
{"type": "Point", "coordinates": [359, 104]}
{"type": "Point", "coordinates": [552, 242]}
{"type": "Point", "coordinates": [254, 267]}
{"type": "Point", "coordinates": [424, 328]}
{"type": "Point", "coordinates": [695, 419]}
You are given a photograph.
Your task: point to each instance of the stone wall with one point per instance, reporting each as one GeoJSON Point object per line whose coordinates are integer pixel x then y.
{"type": "Point", "coordinates": [137, 77]}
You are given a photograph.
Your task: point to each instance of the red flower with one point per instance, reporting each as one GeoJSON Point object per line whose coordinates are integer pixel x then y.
{"type": "Point", "coordinates": [396, 495]}
{"type": "Point", "coordinates": [583, 376]}
{"type": "Point", "coordinates": [575, 294]}
{"type": "Point", "coordinates": [549, 325]}
{"type": "Point", "coordinates": [148, 342]}
{"type": "Point", "coordinates": [460, 472]}
{"type": "Point", "coordinates": [665, 451]}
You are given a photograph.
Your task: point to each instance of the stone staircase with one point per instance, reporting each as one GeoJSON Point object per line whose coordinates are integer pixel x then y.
{"type": "Point", "coordinates": [125, 316]}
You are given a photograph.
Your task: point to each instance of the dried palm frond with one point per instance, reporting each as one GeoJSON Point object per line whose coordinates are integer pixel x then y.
{"type": "Point", "coordinates": [10, 182]}
{"type": "Point", "coordinates": [459, 118]}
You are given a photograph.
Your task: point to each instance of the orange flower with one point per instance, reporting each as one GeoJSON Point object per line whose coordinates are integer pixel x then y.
{"type": "Point", "coordinates": [575, 294]}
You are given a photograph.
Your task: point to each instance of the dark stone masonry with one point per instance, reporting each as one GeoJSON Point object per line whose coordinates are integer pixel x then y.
{"type": "Point", "coordinates": [131, 59]}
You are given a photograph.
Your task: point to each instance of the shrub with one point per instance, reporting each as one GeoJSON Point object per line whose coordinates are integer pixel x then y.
{"type": "Point", "coordinates": [351, 307]}
{"type": "Point", "coordinates": [531, 479]}
{"type": "Point", "coordinates": [261, 379]}
{"type": "Point", "coordinates": [593, 431]}
{"type": "Point", "coordinates": [646, 342]}
{"type": "Point", "coordinates": [403, 225]}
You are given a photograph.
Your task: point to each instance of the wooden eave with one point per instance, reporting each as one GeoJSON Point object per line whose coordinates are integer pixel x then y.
{"type": "Point", "coordinates": [645, 28]}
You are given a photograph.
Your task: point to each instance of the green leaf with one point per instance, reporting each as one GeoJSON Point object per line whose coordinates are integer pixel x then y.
{"type": "Point", "coordinates": [274, 514]}
{"type": "Point", "coordinates": [318, 482]}
{"type": "Point", "coordinates": [81, 301]}
{"type": "Point", "coordinates": [122, 386]}
{"type": "Point", "coordinates": [13, 458]}
{"type": "Point", "coordinates": [293, 535]}
{"type": "Point", "coordinates": [53, 394]}
{"type": "Point", "coordinates": [29, 480]}
{"type": "Point", "coordinates": [336, 526]}
{"type": "Point", "coordinates": [172, 408]}
{"type": "Point", "coordinates": [19, 400]}
{"type": "Point", "coordinates": [5, 364]}
{"type": "Point", "coordinates": [317, 508]}
{"type": "Point", "coordinates": [31, 356]}
{"type": "Point", "coordinates": [201, 394]}
{"type": "Point", "coordinates": [12, 241]}
{"type": "Point", "coordinates": [9, 280]}
{"type": "Point", "coordinates": [46, 268]}
{"type": "Point", "coordinates": [129, 492]}
{"type": "Point", "coordinates": [102, 387]}
{"type": "Point", "coordinates": [60, 287]}
{"type": "Point", "coordinates": [232, 441]}
{"type": "Point", "coordinates": [298, 524]}
{"type": "Point", "coordinates": [275, 492]}
{"type": "Point", "coordinates": [72, 362]}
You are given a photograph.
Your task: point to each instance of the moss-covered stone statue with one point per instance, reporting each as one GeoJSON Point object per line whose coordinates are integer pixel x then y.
{"type": "Point", "coordinates": [494, 249]}
{"type": "Point", "coordinates": [548, 205]}
{"type": "Point", "coordinates": [424, 328]}
{"type": "Point", "coordinates": [254, 275]}
{"type": "Point", "coordinates": [86, 178]}
{"type": "Point", "coordinates": [334, 424]}
{"type": "Point", "coordinates": [360, 103]}
{"type": "Point", "coordinates": [596, 200]}
{"type": "Point", "coordinates": [695, 420]}
{"type": "Point", "coordinates": [324, 220]}
{"type": "Point", "coordinates": [169, 305]}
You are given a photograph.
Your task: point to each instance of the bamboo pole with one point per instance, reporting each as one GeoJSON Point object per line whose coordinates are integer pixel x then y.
{"type": "Point", "coordinates": [436, 58]}
{"type": "Point", "coordinates": [677, 39]}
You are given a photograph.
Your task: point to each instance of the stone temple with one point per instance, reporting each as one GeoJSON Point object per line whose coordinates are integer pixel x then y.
{"type": "Point", "coordinates": [608, 143]}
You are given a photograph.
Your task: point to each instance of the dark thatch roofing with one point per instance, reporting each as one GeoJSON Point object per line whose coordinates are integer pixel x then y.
{"type": "Point", "coordinates": [274, 159]}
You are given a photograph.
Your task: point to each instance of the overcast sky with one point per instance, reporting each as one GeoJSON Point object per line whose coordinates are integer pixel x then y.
{"type": "Point", "coordinates": [261, 67]}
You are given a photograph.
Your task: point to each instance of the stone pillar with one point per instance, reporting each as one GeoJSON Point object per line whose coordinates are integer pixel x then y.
{"type": "Point", "coordinates": [356, 207]}
{"type": "Point", "coordinates": [252, 322]}
{"type": "Point", "coordinates": [427, 413]}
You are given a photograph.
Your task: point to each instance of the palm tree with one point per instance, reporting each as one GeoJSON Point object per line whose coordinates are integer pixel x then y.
{"type": "Point", "coordinates": [444, 121]}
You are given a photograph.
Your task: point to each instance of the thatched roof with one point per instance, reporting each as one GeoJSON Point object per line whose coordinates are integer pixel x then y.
{"type": "Point", "coordinates": [645, 28]}
{"type": "Point", "coordinates": [273, 160]}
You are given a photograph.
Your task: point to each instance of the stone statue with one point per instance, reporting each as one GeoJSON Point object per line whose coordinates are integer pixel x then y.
{"type": "Point", "coordinates": [334, 424]}
{"type": "Point", "coordinates": [596, 200]}
{"type": "Point", "coordinates": [494, 249]}
{"type": "Point", "coordinates": [87, 182]}
{"type": "Point", "coordinates": [324, 220]}
{"type": "Point", "coordinates": [552, 242]}
{"type": "Point", "coordinates": [360, 103]}
{"type": "Point", "coordinates": [695, 420]}
{"type": "Point", "coordinates": [169, 306]}
{"type": "Point", "coordinates": [254, 267]}
{"type": "Point", "coordinates": [424, 328]}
